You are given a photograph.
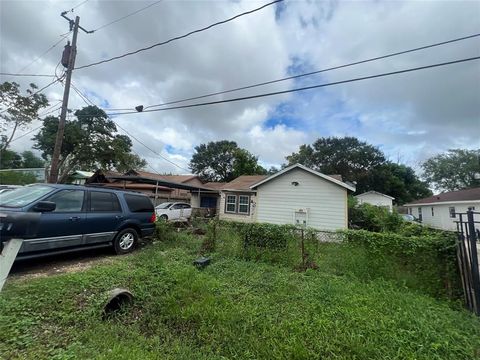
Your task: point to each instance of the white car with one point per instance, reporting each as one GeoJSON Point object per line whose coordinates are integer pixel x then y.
{"type": "Point", "coordinates": [173, 211]}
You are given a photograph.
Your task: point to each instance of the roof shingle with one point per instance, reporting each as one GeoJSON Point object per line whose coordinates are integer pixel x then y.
{"type": "Point", "coordinates": [459, 195]}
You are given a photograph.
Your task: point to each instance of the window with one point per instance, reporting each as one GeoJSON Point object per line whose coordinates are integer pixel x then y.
{"type": "Point", "coordinates": [243, 204]}
{"type": "Point", "coordinates": [139, 203]}
{"type": "Point", "coordinates": [177, 207]}
{"type": "Point", "coordinates": [23, 196]}
{"type": "Point", "coordinates": [420, 214]}
{"type": "Point", "coordinates": [104, 201]}
{"type": "Point", "coordinates": [410, 211]}
{"type": "Point", "coordinates": [231, 204]}
{"type": "Point", "coordinates": [68, 200]}
{"type": "Point", "coordinates": [433, 213]}
{"type": "Point", "coordinates": [471, 208]}
{"type": "Point", "coordinates": [451, 210]}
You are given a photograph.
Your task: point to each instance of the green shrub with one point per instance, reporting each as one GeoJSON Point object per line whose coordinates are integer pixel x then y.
{"type": "Point", "coordinates": [427, 262]}
{"type": "Point", "coordinates": [373, 218]}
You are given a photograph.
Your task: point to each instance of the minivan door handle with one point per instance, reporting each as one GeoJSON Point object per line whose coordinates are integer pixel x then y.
{"type": "Point", "coordinates": [74, 218]}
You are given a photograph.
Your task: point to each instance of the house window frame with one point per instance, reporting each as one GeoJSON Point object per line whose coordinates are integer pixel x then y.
{"type": "Point", "coordinates": [230, 203]}
{"type": "Point", "coordinates": [420, 215]}
{"type": "Point", "coordinates": [247, 204]}
{"type": "Point", "coordinates": [451, 213]}
{"type": "Point", "coordinates": [433, 211]}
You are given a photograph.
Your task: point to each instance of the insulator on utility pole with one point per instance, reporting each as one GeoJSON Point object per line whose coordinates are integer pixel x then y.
{"type": "Point", "coordinates": [66, 54]}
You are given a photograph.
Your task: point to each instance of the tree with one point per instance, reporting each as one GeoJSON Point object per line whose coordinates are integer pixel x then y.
{"type": "Point", "coordinates": [454, 170]}
{"type": "Point", "coordinates": [399, 181]}
{"type": "Point", "coordinates": [347, 156]}
{"type": "Point", "coordinates": [360, 162]}
{"type": "Point", "coordinates": [18, 111]}
{"type": "Point", "coordinates": [89, 143]}
{"type": "Point", "coordinates": [10, 159]}
{"type": "Point", "coordinates": [17, 178]}
{"type": "Point", "coordinates": [30, 160]}
{"type": "Point", "coordinates": [223, 161]}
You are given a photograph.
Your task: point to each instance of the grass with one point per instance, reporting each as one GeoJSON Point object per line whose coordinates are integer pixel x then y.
{"type": "Point", "coordinates": [233, 309]}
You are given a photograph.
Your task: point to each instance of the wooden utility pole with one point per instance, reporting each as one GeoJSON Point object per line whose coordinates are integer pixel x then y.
{"type": "Point", "coordinates": [63, 115]}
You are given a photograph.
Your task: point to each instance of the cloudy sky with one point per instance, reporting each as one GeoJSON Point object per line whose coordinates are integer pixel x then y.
{"type": "Point", "coordinates": [410, 116]}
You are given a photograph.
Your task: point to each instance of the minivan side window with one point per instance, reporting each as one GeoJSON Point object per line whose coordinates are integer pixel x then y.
{"type": "Point", "coordinates": [104, 202]}
{"type": "Point", "coordinates": [68, 200]}
{"type": "Point", "coordinates": [139, 203]}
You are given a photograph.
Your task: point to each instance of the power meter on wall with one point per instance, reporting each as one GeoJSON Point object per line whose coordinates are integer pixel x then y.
{"type": "Point", "coordinates": [300, 217]}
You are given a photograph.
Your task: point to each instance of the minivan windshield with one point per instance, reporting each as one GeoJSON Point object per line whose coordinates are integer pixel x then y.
{"type": "Point", "coordinates": [23, 196]}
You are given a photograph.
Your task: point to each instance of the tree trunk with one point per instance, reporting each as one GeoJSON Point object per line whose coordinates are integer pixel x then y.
{"type": "Point", "coordinates": [5, 146]}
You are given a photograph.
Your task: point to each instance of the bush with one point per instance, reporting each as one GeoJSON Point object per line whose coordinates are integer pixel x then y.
{"type": "Point", "coordinates": [17, 178]}
{"type": "Point", "coordinates": [426, 262]}
{"type": "Point", "coordinates": [373, 218]}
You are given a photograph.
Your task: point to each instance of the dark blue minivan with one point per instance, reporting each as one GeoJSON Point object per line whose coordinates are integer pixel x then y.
{"type": "Point", "coordinates": [74, 217]}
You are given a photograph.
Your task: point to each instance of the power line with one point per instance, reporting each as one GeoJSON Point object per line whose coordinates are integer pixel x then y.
{"type": "Point", "coordinates": [179, 37]}
{"type": "Point", "coordinates": [29, 75]}
{"type": "Point", "coordinates": [38, 127]}
{"type": "Point", "coordinates": [312, 72]}
{"type": "Point", "coordinates": [44, 53]}
{"type": "Point", "coordinates": [89, 102]}
{"type": "Point", "coordinates": [34, 93]}
{"type": "Point", "coordinates": [78, 5]}
{"type": "Point", "coordinates": [303, 88]}
{"type": "Point", "coordinates": [127, 16]}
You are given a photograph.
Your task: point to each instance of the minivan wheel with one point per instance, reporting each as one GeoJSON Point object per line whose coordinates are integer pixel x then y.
{"type": "Point", "coordinates": [125, 241]}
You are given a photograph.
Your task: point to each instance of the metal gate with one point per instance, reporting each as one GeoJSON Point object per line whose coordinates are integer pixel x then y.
{"type": "Point", "coordinates": [468, 249]}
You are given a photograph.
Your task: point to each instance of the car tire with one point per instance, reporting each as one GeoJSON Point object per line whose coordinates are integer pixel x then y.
{"type": "Point", "coordinates": [164, 217]}
{"type": "Point", "coordinates": [125, 241]}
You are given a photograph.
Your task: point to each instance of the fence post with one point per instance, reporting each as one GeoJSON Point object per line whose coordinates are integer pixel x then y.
{"type": "Point", "coordinates": [475, 269]}
{"type": "Point", "coordinates": [303, 249]}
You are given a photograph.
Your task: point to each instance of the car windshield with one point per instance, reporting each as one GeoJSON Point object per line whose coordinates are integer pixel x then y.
{"type": "Point", "coordinates": [24, 196]}
{"type": "Point", "coordinates": [164, 205]}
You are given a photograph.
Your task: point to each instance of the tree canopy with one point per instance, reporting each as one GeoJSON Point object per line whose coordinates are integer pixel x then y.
{"type": "Point", "coordinates": [10, 159]}
{"type": "Point", "coordinates": [90, 142]}
{"type": "Point", "coordinates": [362, 163]}
{"type": "Point", "coordinates": [17, 110]}
{"type": "Point", "coordinates": [454, 170]}
{"type": "Point", "coordinates": [223, 161]}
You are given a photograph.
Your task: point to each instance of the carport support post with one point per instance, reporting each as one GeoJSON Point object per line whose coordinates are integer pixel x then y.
{"type": "Point", "coordinates": [7, 257]}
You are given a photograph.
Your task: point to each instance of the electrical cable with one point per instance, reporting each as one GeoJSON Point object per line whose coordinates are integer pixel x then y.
{"type": "Point", "coordinates": [179, 37]}
{"type": "Point", "coordinates": [89, 102]}
{"type": "Point", "coordinates": [303, 88]}
{"type": "Point", "coordinates": [38, 127]}
{"type": "Point", "coordinates": [76, 6]}
{"type": "Point", "coordinates": [127, 16]}
{"type": "Point", "coordinates": [32, 94]}
{"type": "Point", "coordinates": [29, 75]}
{"type": "Point", "coordinates": [312, 72]}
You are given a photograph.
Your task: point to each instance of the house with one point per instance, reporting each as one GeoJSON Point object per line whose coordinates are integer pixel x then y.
{"type": "Point", "coordinates": [377, 199]}
{"type": "Point", "coordinates": [295, 195]}
{"type": "Point", "coordinates": [440, 211]}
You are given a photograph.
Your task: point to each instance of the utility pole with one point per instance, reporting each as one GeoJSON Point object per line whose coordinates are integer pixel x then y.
{"type": "Point", "coordinates": [74, 25]}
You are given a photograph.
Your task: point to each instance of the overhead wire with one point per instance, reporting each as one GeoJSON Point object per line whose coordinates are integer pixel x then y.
{"type": "Point", "coordinates": [44, 53]}
{"type": "Point", "coordinates": [34, 93]}
{"type": "Point", "coordinates": [78, 5]}
{"type": "Point", "coordinates": [28, 75]}
{"type": "Point", "coordinates": [89, 102]}
{"type": "Point", "coordinates": [304, 88]}
{"type": "Point", "coordinates": [127, 16]}
{"type": "Point", "coordinates": [313, 72]}
{"type": "Point", "coordinates": [179, 37]}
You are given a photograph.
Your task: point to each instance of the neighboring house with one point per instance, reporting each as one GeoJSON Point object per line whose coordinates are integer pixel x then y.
{"type": "Point", "coordinates": [295, 195]}
{"type": "Point", "coordinates": [79, 177]}
{"type": "Point", "coordinates": [440, 210]}
{"type": "Point", "coordinates": [377, 199]}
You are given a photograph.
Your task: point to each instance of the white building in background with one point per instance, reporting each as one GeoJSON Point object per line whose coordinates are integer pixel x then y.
{"type": "Point", "coordinates": [441, 211]}
{"type": "Point", "coordinates": [377, 199]}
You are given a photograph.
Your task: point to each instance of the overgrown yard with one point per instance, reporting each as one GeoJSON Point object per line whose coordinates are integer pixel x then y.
{"type": "Point", "coordinates": [234, 308]}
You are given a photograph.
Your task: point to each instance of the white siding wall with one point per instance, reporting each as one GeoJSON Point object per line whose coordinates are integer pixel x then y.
{"type": "Point", "coordinates": [326, 202]}
{"type": "Point", "coordinates": [237, 217]}
{"type": "Point", "coordinates": [375, 199]}
{"type": "Point", "coordinates": [441, 216]}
